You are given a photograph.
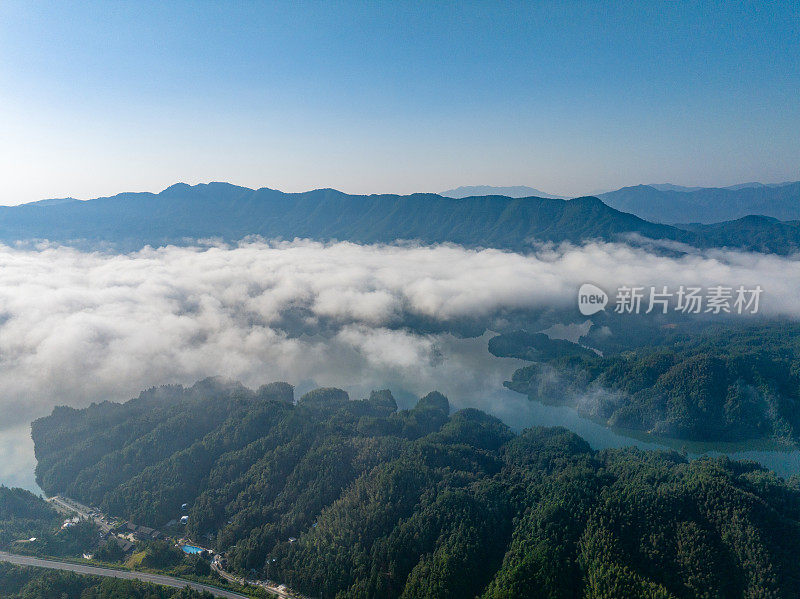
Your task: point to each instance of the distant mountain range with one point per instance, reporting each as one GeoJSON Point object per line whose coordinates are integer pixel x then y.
{"type": "Point", "coordinates": [514, 191]}
{"type": "Point", "coordinates": [52, 201]}
{"type": "Point", "coordinates": [667, 203]}
{"type": "Point", "coordinates": [673, 204]}
{"type": "Point", "coordinates": [182, 214]}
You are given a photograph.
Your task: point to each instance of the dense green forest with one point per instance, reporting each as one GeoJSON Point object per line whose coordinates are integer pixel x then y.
{"type": "Point", "coordinates": [183, 213]}
{"type": "Point", "coordinates": [34, 583]}
{"type": "Point", "coordinates": [24, 516]}
{"type": "Point", "coordinates": [536, 347]}
{"type": "Point", "coordinates": [22, 505]}
{"type": "Point", "coordinates": [725, 384]}
{"type": "Point", "coordinates": [341, 498]}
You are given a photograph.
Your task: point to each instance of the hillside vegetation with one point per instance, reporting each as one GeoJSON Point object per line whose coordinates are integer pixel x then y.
{"type": "Point", "coordinates": [28, 524]}
{"type": "Point", "coordinates": [728, 384]}
{"type": "Point", "coordinates": [341, 498]}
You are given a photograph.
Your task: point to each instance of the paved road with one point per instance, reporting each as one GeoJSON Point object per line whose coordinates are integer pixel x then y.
{"type": "Point", "coordinates": [169, 581]}
{"type": "Point", "coordinates": [81, 510]}
{"type": "Point", "coordinates": [272, 588]}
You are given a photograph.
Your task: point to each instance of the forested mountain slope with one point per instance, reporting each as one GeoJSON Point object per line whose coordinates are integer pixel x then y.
{"type": "Point", "coordinates": [231, 212]}
{"type": "Point", "coordinates": [344, 498]}
{"type": "Point", "coordinates": [183, 214]}
{"type": "Point", "coordinates": [727, 383]}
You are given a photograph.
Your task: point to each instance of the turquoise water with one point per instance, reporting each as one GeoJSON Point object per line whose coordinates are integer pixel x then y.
{"type": "Point", "coordinates": [191, 549]}
{"type": "Point", "coordinates": [519, 412]}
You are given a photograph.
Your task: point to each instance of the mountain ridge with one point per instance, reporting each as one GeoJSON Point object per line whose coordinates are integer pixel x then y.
{"type": "Point", "coordinates": [670, 204]}
{"type": "Point", "coordinates": [182, 214]}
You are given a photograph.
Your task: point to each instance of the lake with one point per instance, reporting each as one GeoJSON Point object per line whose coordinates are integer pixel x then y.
{"type": "Point", "coordinates": [519, 412]}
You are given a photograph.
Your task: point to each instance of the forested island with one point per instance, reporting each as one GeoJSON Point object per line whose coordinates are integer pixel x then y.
{"type": "Point", "coordinates": [355, 498]}
{"type": "Point", "coordinates": [726, 384]}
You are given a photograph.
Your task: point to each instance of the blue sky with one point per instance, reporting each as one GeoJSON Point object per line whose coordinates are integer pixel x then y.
{"type": "Point", "coordinates": [97, 98]}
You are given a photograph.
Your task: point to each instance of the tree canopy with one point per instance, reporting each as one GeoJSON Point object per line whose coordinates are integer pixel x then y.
{"type": "Point", "coordinates": [356, 499]}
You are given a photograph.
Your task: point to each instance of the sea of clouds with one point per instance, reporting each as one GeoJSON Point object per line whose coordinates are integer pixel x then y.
{"type": "Point", "coordinates": [78, 327]}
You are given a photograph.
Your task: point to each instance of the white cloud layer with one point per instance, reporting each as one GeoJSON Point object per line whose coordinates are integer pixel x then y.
{"type": "Point", "coordinates": [78, 327]}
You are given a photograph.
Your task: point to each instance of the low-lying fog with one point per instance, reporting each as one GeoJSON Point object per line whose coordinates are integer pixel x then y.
{"type": "Point", "coordinates": [79, 327]}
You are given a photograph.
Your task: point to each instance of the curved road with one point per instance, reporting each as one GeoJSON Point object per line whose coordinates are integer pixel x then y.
{"type": "Point", "coordinates": [169, 581]}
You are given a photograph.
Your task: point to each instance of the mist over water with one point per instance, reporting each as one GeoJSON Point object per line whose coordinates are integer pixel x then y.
{"type": "Point", "coordinates": [462, 369]}
{"type": "Point", "coordinates": [79, 327]}
{"type": "Point", "coordinates": [18, 462]}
